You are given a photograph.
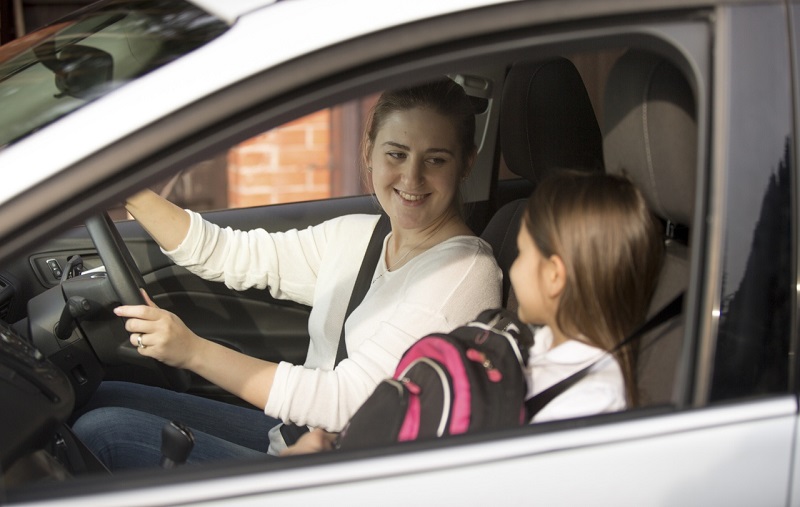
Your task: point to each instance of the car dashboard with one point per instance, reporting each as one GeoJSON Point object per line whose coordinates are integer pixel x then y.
{"type": "Point", "coordinates": [36, 397]}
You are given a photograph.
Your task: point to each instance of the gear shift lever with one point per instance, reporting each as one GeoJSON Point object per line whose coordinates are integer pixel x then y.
{"type": "Point", "coordinates": [177, 442]}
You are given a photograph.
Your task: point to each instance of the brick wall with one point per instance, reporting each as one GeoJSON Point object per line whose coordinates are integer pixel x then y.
{"type": "Point", "coordinates": [286, 164]}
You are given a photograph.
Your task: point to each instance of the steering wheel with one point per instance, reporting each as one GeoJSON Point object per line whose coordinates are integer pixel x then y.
{"type": "Point", "coordinates": [126, 280]}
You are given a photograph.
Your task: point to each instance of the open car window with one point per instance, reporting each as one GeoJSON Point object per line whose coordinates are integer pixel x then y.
{"type": "Point", "coordinates": [314, 157]}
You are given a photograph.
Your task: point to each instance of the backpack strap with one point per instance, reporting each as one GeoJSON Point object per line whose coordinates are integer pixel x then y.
{"type": "Point", "coordinates": [292, 432]}
{"type": "Point", "coordinates": [536, 403]}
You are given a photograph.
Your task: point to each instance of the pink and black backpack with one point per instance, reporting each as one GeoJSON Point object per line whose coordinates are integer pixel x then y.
{"type": "Point", "coordinates": [470, 379]}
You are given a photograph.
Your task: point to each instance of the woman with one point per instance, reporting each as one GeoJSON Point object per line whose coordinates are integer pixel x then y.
{"type": "Point", "coordinates": [434, 274]}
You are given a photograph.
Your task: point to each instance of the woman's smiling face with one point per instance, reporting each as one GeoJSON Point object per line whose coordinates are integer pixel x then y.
{"type": "Point", "coordinates": [417, 166]}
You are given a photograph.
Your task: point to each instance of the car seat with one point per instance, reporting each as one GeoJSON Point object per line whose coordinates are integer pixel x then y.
{"type": "Point", "coordinates": [650, 135]}
{"type": "Point", "coordinates": [546, 123]}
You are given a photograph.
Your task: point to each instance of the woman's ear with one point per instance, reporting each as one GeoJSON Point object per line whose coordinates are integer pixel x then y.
{"type": "Point", "coordinates": [366, 154]}
{"type": "Point", "coordinates": [366, 166]}
{"type": "Point", "coordinates": [556, 277]}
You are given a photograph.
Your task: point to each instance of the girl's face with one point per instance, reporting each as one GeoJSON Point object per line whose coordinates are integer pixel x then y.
{"type": "Point", "coordinates": [532, 278]}
{"type": "Point", "coordinates": [416, 166]}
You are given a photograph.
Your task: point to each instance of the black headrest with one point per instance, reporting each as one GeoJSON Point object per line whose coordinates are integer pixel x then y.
{"type": "Point", "coordinates": [547, 121]}
{"type": "Point", "coordinates": [650, 132]}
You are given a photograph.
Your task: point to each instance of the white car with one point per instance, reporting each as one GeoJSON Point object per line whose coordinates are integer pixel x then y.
{"type": "Point", "coordinates": [695, 100]}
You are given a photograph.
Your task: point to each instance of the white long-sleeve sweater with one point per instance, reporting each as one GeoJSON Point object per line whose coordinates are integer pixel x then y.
{"type": "Point", "coordinates": [436, 291]}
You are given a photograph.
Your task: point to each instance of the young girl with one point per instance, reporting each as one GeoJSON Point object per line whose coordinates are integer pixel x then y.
{"type": "Point", "coordinates": [590, 253]}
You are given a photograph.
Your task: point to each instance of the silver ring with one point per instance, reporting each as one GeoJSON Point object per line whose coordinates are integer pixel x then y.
{"type": "Point", "coordinates": [139, 344]}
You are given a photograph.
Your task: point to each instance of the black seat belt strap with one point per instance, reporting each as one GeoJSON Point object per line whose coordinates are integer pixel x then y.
{"type": "Point", "coordinates": [292, 432]}
{"type": "Point", "coordinates": [364, 278]}
{"type": "Point", "coordinates": [536, 403]}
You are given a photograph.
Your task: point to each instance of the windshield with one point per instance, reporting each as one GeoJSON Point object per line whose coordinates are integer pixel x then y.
{"type": "Point", "coordinates": [53, 71]}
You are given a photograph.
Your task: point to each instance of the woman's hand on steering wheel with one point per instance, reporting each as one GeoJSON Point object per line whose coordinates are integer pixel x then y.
{"type": "Point", "coordinates": [126, 281]}
{"type": "Point", "coordinates": [158, 333]}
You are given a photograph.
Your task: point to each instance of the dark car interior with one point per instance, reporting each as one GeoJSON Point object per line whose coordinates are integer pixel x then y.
{"type": "Point", "coordinates": [547, 121]}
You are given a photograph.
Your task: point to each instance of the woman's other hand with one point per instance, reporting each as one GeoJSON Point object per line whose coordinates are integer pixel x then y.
{"type": "Point", "coordinates": [314, 441]}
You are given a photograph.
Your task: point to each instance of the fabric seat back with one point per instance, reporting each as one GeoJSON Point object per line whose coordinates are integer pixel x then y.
{"type": "Point", "coordinates": [547, 123]}
{"type": "Point", "coordinates": [650, 136]}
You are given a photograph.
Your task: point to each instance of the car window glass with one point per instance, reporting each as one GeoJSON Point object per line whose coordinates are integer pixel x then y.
{"type": "Point", "coordinates": [52, 72]}
{"type": "Point", "coordinates": [757, 293]}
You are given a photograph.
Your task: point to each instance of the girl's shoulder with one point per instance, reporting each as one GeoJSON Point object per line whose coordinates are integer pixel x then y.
{"type": "Point", "coordinates": [602, 390]}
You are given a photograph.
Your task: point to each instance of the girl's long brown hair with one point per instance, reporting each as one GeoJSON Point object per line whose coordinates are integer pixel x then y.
{"type": "Point", "coordinates": [612, 248]}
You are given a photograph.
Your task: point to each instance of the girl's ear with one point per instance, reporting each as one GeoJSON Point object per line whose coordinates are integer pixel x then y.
{"type": "Point", "coordinates": [556, 278]}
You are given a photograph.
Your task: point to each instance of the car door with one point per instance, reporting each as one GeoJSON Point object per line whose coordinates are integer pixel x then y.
{"type": "Point", "coordinates": [728, 436]}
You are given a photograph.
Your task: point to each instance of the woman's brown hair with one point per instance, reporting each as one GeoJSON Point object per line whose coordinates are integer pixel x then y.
{"type": "Point", "coordinates": [612, 248]}
{"type": "Point", "coordinates": [443, 96]}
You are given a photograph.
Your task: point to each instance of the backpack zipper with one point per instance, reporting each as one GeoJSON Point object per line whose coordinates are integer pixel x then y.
{"type": "Point", "coordinates": [505, 334]}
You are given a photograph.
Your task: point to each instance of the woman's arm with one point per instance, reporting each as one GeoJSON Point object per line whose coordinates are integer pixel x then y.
{"type": "Point", "coordinates": [165, 222]}
{"type": "Point", "coordinates": [167, 339]}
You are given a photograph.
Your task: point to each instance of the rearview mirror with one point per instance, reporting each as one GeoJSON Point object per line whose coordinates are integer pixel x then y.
{"type": "Point", "coordinates": [80, 71]}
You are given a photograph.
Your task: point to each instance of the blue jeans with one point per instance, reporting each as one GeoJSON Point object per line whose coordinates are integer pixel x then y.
{"type": "Point", "coordinates": [122, 425]}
